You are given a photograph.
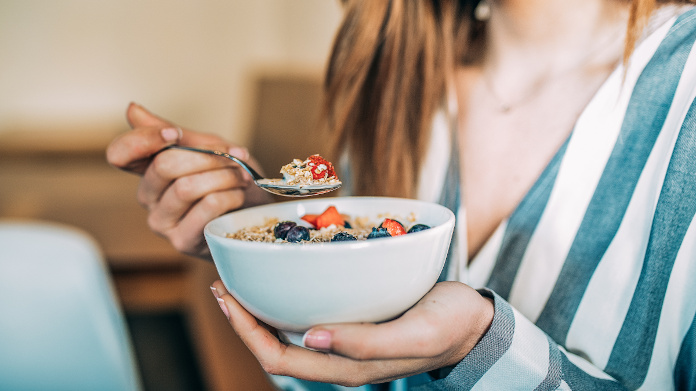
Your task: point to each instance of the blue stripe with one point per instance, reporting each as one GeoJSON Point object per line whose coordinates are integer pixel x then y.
{"type": "Point", "coordinates": [675, 210]}
{"type": "Point", "coordinates": [494, 344]}
{"type": "Point", "coordinates": [645, 116]}
{"type": "Point", "coordinates": [521, 226]}
{"type": "Point", "coordinates": [553, 376]}
{"type": "Point", "coordinates": [577, 379]}
{"type": "Point", "coordinates": [685, 370]}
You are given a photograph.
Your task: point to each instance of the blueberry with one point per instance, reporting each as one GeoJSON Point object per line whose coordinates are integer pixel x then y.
{"type": "Point", "coordinates": [280, 231]}
{"type": "Point", "coordinates": [297, 233]}
{"type": "Point", "coordinates": [418, 228]}
{"type": "Point", "coordinates": [378, 233]}
{"type": "Point", "coordinates": [342, 237]}
{"type": "Point", "coordinates": [346, 224]}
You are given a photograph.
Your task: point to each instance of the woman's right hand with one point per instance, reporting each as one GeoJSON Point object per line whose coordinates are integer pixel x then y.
{"type": "Point", "coordinates": [181, 190]}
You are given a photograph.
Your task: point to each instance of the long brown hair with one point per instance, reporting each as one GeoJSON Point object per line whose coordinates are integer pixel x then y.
{"type": "Point", "coordinates": [391, 65]}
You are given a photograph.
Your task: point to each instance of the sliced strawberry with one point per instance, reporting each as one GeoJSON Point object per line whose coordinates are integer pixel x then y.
{"type": "Point", "coordinates": [393, 227]}
{"type": "Point", "coordinates": [311, 219]}
{"type": "Point", "coordinates": [320, 167]}
{"type": "Point", "coordinates": [328, 217]}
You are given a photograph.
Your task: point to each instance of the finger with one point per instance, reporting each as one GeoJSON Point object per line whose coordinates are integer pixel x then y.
{"type": "Point", "coordinates": [171, 165]}
{"type": "Point", "coordinates": [187, 235]}
{"type": "Point", "coordinates": [138, 116]}
{"type": "Point", "coordinates": [179, 198]}
{"type": "Point", "coordinates": [290, 360]}
{"type": "Point", "coordinates": [439, 325]}
{"type": "Point", "coordinates": [132, 151]}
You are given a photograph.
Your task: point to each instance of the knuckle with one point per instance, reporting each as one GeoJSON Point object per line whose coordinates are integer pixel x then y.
{"type": "Point", "coordinates": [212, 202]}
{"type": "Point", "coordinates": [179, 243]}
{"type": "Point", "coordinates": [184, 188]}
{"type": "Point", "coordinates": [162, 166]}
{"type": "Point", "coordinates": [142, 200]}
{"type": "Point", "coordinates": [155, 224]}
{"type": "Point", "coordinates": [272, 367]}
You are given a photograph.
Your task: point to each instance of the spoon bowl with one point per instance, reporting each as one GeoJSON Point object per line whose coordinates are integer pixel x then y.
{"type": "Point", "coordinates": [275, 186]}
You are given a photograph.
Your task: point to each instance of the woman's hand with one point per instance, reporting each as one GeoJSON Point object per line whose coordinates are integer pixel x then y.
{"type": "Point", "coordinates": [181, 190]}
{"type": "Point", "coordinates": [438, 331]}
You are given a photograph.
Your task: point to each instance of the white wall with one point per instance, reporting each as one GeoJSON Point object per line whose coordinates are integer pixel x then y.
{"type": "Point", "coordinates": [78, 63]}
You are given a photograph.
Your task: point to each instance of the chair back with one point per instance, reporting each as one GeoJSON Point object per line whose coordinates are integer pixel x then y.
{"type": "Point", "coordinates": [61, 325]}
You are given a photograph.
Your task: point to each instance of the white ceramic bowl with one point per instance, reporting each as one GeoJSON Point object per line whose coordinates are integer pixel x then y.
{"type": "Point", "coordinates": [293, 287]}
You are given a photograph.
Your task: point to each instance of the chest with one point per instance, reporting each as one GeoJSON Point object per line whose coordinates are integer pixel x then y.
{"type": "Point", "coordinates": [504, 152]}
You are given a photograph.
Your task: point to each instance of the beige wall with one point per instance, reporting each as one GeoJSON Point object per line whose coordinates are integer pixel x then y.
{"type": "Point", "coordinates": [77, 63]}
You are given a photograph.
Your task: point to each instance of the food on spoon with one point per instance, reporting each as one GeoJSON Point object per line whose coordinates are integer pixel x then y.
{"type": "Point", "coordinates": [315, 170]}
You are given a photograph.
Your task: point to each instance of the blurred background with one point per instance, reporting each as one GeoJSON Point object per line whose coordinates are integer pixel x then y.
{"type": "Point", "coordinates": [247, 70]}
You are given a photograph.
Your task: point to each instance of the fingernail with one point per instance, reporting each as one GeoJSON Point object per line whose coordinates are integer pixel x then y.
{"type": "Point", "coordinates": [215, 292]}
{"type": "Point", "coordinates": [171, 134]}
{"type": "Point", "coordinates": [223, 307]}
{"type": "Point", "coordinates": [317, 339]}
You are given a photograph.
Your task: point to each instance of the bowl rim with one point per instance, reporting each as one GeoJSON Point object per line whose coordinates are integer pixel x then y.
{"type": "Point", "coordinates": [434, 230]}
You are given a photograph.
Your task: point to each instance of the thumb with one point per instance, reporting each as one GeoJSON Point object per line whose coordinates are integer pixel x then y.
{"type": "Point", "coordinates": [138, 116]}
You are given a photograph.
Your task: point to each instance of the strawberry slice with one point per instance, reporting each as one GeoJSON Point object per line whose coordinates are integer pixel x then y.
{"type": "Point", "coordinates": [393, 227]}
{"type": "Point", "coordinates": [328, 217]}
{"type": "Point", "coordinates": [320, 167]}
{"type": "Point", "coordinates": [311, 219]}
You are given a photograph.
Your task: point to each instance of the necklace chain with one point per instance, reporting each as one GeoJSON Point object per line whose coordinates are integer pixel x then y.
{"type": "Point", "coordinates": [505, 106]}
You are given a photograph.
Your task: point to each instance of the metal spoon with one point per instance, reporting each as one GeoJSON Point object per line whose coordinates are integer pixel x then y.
{"type": "Point", "coordinates": [275, 186]}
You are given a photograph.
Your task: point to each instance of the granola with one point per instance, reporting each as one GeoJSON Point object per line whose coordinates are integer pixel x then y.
{"type": "Point", "coordinates": [354, 228]}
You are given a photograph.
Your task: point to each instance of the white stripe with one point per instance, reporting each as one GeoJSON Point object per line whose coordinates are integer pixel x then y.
{"type": "Point", "coordinates": [481, 267]}
{"type": "Point", "coordinates": [610, 291]}
{"type": "Point", "coordinates": [589, 148]}
{"type": "Point", "coordinates": [458, 267]}
{"type": "Point", "coordinates": [529, 350]}
{"type": "Point", "coordinates": [431, 177]}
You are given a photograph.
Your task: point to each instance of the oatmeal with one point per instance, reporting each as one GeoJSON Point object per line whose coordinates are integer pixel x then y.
{"type": "Point", "coordinates": [329, 226]}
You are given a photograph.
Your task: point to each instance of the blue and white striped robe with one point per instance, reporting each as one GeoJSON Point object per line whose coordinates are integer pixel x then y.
{"type": "Point", "coordinates": [594, 273]}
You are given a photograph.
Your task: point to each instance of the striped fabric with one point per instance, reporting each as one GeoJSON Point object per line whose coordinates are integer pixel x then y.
{"type": "Point", "coordinates": [594, 273]}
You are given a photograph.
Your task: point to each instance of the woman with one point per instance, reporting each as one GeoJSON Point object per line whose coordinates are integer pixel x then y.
{"type": "Point", "coordinates": [567, 155]}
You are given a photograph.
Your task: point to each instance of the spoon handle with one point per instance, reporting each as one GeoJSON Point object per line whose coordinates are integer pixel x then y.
{"type": "Point", "coordinates": [242, 163]}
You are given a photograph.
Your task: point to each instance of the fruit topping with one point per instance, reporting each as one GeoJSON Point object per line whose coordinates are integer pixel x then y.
{"type": "Point", "coordinates": [329, 217]}
{"type": "Point", "coordinates": [342, 237]}
{"type": "Point", "coordinates": [418, 228]}
{"type": "Point", "coordinates": [311, 219]}
{"type": "Point", "coordinates": [297, 234]}
{"type": "Point", "coordinates": [280, 231]}
{"type": "Point", "coordinates": [378, 233]}
{"type": "Point", "coordinates": [394, 227]}
{"type": "Point", "coordinates": [320, 167]}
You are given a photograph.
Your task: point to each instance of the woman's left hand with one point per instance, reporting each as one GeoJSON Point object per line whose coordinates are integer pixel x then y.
{"type": "Point", "coordinates": [436, 332]}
